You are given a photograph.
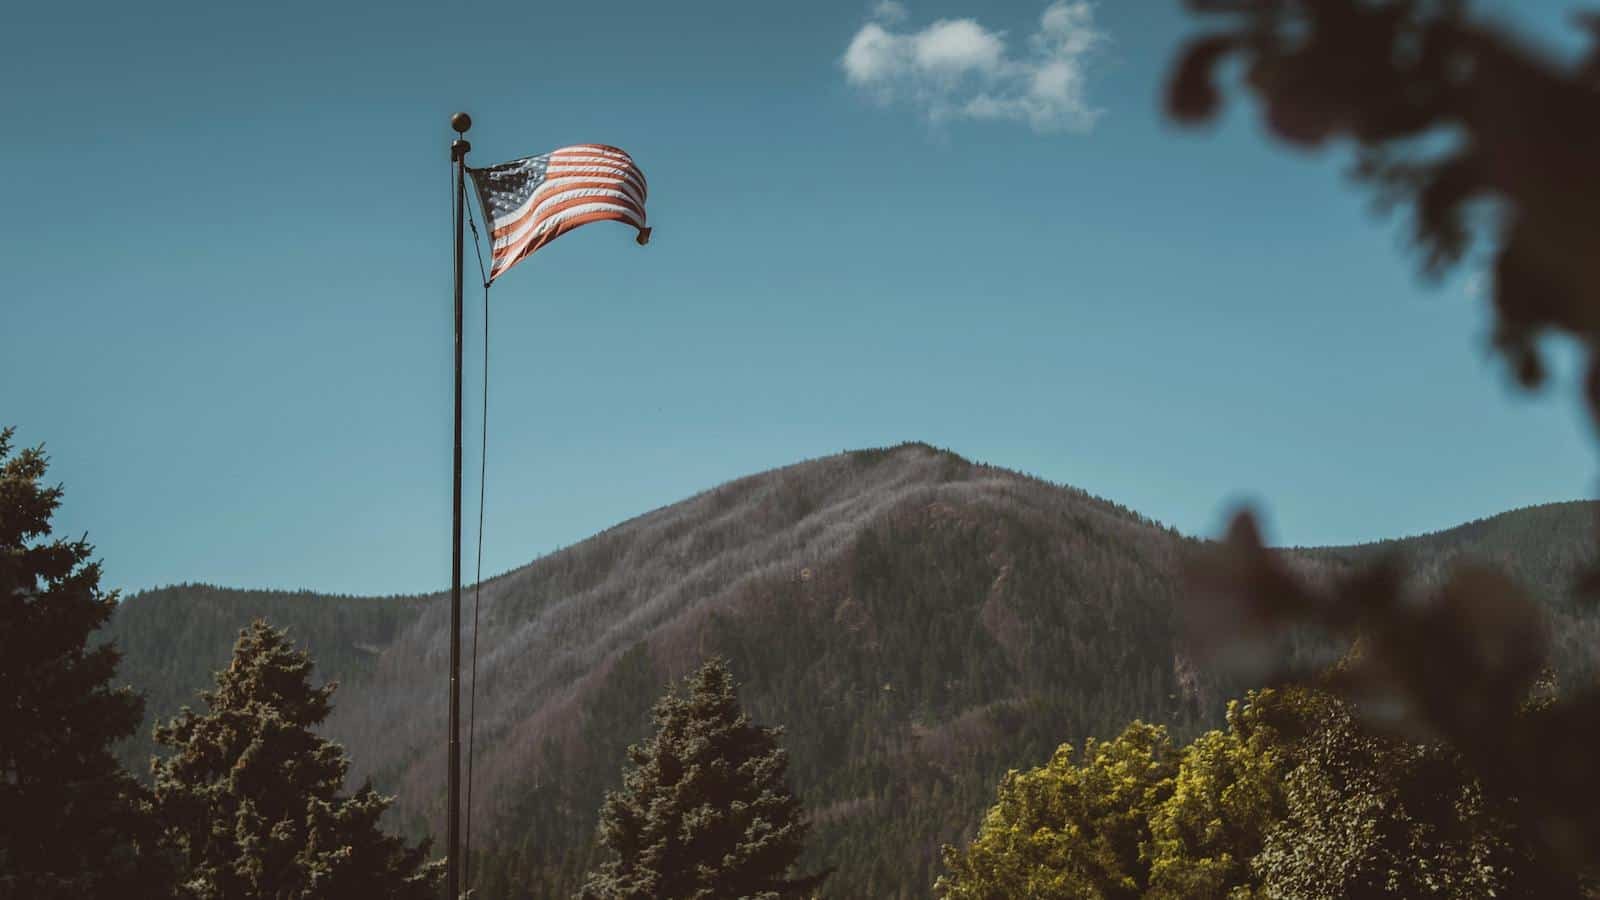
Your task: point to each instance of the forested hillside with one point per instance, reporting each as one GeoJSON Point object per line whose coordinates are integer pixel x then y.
{"type": "Point", "coordinates": [173, 639]}
{"type": "Point", "coordinates": [919, 623]}
{"type": "Point", "coordinates": [1543, 548]}
{"type": "Point", "coordinates": [1540, 547]}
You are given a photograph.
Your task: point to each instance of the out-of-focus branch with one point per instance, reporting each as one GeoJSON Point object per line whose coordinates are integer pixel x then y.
{"type": "Point", "coordinates": [1459, 665]}
{"type": "Point", "coordinates": [1446, 114]}
{"type": "Point", "coordinates": [1524, 134]}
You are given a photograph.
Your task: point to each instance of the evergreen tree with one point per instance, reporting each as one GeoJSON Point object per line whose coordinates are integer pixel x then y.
{"type": "Point", "coordinates": [250, 795]}
{"type": "Point", "coordinates": [72, 822]}
{"type": "Point", "coordinates": [705, 810]}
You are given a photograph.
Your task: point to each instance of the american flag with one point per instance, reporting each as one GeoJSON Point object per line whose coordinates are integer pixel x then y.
{"type": "Point", "coordinates": [531, 202]}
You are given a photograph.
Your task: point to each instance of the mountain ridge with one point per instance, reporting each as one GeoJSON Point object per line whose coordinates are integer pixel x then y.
{"type": "Point", "coordinates": [1481, 521]}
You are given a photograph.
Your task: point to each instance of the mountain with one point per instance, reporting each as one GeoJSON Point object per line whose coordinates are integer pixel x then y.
{"type": "Point", "coordinates": [918, 622]}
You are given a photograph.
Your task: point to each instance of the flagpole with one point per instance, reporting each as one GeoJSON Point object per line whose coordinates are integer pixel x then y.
{"type": "Point", "coordinates": [459, 122]}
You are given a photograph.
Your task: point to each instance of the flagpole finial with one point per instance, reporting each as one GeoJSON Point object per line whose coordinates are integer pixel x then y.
{"type": "Point", "coordinates": [460, 123]}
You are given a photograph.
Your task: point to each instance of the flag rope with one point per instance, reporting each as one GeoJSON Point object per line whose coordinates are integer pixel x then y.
{"type": "Point", "coordinates": [477, 588]}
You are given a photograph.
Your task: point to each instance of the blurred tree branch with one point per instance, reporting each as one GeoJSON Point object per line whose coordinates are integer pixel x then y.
{"type": "Point", "coordinates": [1448, 115]}
{"type": "Point", "coordinates": [1524, 135]}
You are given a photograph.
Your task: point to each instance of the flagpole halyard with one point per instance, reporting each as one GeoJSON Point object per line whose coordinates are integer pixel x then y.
{"type": "Point", "coordinates": [459, 122]}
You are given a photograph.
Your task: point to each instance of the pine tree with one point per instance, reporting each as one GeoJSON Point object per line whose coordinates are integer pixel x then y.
{"type": "Point", "coordinates": [250, 795]}
{"type": "Point", "coordinates": [705, 810]}
{"type": "Point", "coordinates": [72, 822]}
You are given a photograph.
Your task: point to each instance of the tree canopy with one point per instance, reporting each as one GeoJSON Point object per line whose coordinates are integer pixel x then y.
{"type": "Point", "coordinates": [1076, 827]}
{"type": "Point", "coordinates": [72, 822]}
{"type": "Point", "coordinates": [1296, 799]}
{"type": "Point", "coordinates": [251, 797]}
{"type": "Point", "coordinates": [705, 810]}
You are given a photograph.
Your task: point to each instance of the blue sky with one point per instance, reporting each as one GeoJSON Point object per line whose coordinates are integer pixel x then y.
{"type": "Point", "coordinates": [227, 268]}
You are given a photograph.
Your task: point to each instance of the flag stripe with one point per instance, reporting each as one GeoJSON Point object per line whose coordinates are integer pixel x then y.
{"type": "Point", "coordinates": [536, 234]}
{"type": "Point", "coordinates": [565, 200]}
{"type": "Point", "coordinates": [596, 158]}
{"type": "Point", "coordinates": [532, 244]}
{"type": "Point", "coordinates": [515, 219]}
{"type": "Point", "coordinates": [582, 165]}
{"type": "Point", "coordinates": [562, 181]}
{"type": "Point", "coordinates": [599, 149]}
{"type": "Point", "coordinates": [609, 151]}
{"type": "Point", "coordinates": [567, 170]}
{"type": "Point", "coordinates": [560, 229]}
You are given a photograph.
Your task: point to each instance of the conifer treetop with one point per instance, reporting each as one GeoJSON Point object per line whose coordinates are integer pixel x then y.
{"type": "Point", "coordinates": [705, 810]}
{"type": "Point", "coordinates": [251, 795]}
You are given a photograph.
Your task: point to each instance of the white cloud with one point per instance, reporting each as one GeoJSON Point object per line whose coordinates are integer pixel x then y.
{"type": "Point", "coordinates": [954, 46]}
{"type": "Point", "coordinates": [889, 12]}
{"type": "Point", "coordinates": [958, 69]}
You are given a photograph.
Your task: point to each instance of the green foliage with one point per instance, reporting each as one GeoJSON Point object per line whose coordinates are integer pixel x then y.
{"type": "Point", "coordinates": [1227, 797]}
{"type": "Point", "coordinates": [1295, 800]}
{"type": "Point", "coordinates": [173, 639]}
{"type": "Point", "coordinates": [250, 795]}
{"type": "Point", "coordinates": [705, 810]}
{"type": "Point", "coordinates": [1070, 829]}
{"type": "Point", "coordinates": [72, 822]}
{"type": "Point", "coordinates": [1368, 815]}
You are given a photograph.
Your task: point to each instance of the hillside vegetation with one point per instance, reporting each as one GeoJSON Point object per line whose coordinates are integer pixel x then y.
{"type": "Point", "coordinates": [919, 623]}
{"type": "Point", "coordinates": [175, 638]}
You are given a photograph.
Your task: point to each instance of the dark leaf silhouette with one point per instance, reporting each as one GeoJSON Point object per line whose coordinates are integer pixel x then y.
{"type": "Point", "coordinates": [1446, 114]}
